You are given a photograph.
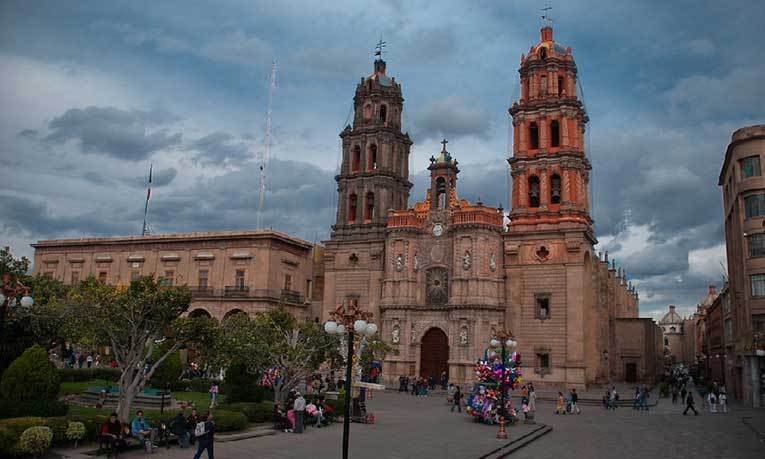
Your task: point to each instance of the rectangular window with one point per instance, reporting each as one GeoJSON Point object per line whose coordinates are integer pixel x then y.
{"type": "Point", "coordinates": [754, 206]}
{"type": "Point", "coordinates": [287, 282]}
{"type": "Point", "coordinates": [134, 275]}
{"type": "Point", "coordinates": [203, 278]}
{"type": "Point", "coordinates": [750, 167]}
{"type": "Point", "coordinates": [102, 276]}
{"type": "Point", "coordinates": [239, 279]}
{"type": "Point", "coordinates": [75, 277]}
{"type": "Point", "coordinates": [308, 290]}
{"type": "Point", "coordinates": [758, 323]}
{"type": "Point", "coordinates": [168, 278]}
{"type": "Point", "coordinates": [542, 306]}
{"type": "Point", "coordinates": [756, 245]}
{"type": "Point", "coordinates": [758, 284]}
{"type": "Point", "coordinates": [543, 363]}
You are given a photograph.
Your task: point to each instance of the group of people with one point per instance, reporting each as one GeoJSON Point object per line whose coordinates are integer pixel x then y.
{"type": "Point", "coordinates": [640, 401]}
{"type": "Point", "coordinates": [194, 428]}
{"type": "Point", "coordinates": [420, 386]}
{"type": "Point", "coordinates": [610, 398]}
{"type": "Point", "coordinates": [303, 412]}
{"type": "Point", "coordinates": [569, 404]}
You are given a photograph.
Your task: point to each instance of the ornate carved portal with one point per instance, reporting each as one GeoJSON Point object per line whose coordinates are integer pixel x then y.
{"type": "Point", "coordinates": [437, 286]}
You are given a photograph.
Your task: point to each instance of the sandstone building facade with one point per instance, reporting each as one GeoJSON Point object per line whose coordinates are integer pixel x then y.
{"type": "Point", "coordinates": [227, 272]}
{"type": "Point", "coordinates": [442, 275]}
{"type": "Point", "coordinates": [743, 190]}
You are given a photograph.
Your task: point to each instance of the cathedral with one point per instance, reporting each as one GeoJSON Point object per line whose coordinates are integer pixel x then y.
{"type": "Point", "coordinates": [442, 276]}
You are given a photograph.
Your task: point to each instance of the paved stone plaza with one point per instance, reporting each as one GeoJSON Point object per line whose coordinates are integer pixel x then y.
{"type": "Point", "coordinates": [410, 427]}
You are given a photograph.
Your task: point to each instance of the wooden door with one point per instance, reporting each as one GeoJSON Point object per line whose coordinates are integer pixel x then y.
{"type": "Point", "coordinates": [434, 353]}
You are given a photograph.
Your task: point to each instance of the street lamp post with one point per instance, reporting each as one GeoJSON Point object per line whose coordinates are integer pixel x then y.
{"type": "Point", "coordinates": [10, 290]}
{"type": "Point", "coordinates": [504, 340]}
{"type": "Point", "coordinates": [342, 321]}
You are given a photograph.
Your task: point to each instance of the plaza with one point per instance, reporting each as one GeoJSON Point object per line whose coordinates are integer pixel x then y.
{"type": "Point", "coordinates": [423, 427]}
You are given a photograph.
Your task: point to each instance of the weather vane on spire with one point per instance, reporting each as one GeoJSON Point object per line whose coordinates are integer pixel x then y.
{"type": "Point", "coordinates": [380, 48]}
{"type": "Point", "coordinates": [547, 20]}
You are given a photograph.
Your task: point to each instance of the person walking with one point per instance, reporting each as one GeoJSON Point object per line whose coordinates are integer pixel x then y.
{"type": "Point", "coordinates": [457, 397]}
{"type": "Point", "coordinates": [560, 407]}
{"type": "Point", "coordinates": [213, 395]}
{"type": "Point", "coordinates": [532, 399]}
{"type": "Point", "coordinates": [574, 399]}
{"type": "Point", "coordinates": [205, 434]}
{"type": "Point", "coordinates": [689, 405]}
{"type": "Point", "coordinates": [299, 409]}
{"type": "Point", "coordinates": [683, 393]}
{"type": "Point", "coordinates": [723, 402]}
{"type": "Point", "coordinates": [613, 397]}
{"type": "Point", "coordinates": [712, 400]}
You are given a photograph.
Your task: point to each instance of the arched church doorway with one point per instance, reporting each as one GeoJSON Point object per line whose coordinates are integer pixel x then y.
{"type": "Point", "coordinates": [434, 353]}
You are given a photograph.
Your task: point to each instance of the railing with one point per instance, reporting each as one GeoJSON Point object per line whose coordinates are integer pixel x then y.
{"type": "Point", "coordinates": [198, 291]}
{"type": "Point", "coordinates": [490, 217]}
{"type": "Point", "coordinates": [236, 290]}
{"type": "Point", "coordinates": [405, 219]}
{"type": "Point", "coordinates": [292, 296]}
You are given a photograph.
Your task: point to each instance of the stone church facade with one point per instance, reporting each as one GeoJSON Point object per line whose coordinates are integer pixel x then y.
{"type": "Point", "coordinates": [441, 276]}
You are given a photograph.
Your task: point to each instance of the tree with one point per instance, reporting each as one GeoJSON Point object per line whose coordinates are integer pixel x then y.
{"type": "Point", "coordinates": [12, 266]}
{"type": "Point", "coordinates": [295, 349]}
{"type": "Point", "coordinates": [133, 321]}
{"type": "Point", "coordinates": [31, 377]}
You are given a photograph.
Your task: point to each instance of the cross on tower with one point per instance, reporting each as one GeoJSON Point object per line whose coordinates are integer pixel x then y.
{"type": "Point", "coordinates": [379, 48]}
{"type": "Point", "coordinates": [444, 142]}
{"type": "Point", "coordinates": [546, 18]}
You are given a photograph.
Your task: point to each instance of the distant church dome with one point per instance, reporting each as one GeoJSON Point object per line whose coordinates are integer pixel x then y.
{"type": "Point", "coordinates": [671, 317]}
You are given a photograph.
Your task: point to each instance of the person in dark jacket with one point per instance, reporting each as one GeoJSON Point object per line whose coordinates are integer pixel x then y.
{"type": "Point", "coordinates": [112, 435]}
{"type": "Point", "coordinates": [689, 404]}
{"type": "Point", "coordinates": [180, 428]}
{"type": "Point", "coordinates": [191, 423]}
{"type": "Point", "coordinates": [207, 439]}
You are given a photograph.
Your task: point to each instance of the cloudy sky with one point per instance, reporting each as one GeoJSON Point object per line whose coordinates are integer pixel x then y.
{"type": "Point", "coordinates": [92, 92]}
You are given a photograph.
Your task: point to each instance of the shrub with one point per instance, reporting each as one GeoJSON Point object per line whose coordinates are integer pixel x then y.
{"type": "Point", "coordinates": [87, 374]}
{"type": "Point", "coordinates": [241, 385]}
{"type": "Point", "coordinates": [42, 408]}
{"type": "Point", "coordinates": [7, 441]}
{"type": "Point", "coordinates": [168, 371]}
{"type": "Point", "coordinates": [255, 412]}
{"type": "Point", "coordinates": [75, 431]}
{"type": "Point", "coordinates": [35, 440]}
{"type": "Point", "coordinates": [227, 421]}
{"type": "Point", "coordinates": [32, 376]}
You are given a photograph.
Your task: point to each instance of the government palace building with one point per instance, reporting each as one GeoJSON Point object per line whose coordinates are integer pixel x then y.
{"type": "Point", "coordinates": [439, 276]}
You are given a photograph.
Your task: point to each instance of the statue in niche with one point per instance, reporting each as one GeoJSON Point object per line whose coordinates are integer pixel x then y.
{"type": "Point", "coordinates": [466, 260]}
{"type": "Point", "coordinates": [399, 262]}
{"type": "Point", "coordinates": [463, 336]}
{"type": "Point", "coordinates": [413, 333]}
{"type": "Point", "coordinates": [492, 263]}
{"type": "Point", "coordinates": [396, 334]}
{"type": "Point", "coordinates": [415, 263]}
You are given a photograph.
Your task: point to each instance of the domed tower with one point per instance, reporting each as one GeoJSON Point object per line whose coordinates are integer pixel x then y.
{"type": "Point", "coordinates": [549, 168]}
{"type": "Point", "coordinates": [373, 180]}
{"type": "Point", "coordinates": [549, 241]}
{"type": "Point", "coordinates": [374, 176]}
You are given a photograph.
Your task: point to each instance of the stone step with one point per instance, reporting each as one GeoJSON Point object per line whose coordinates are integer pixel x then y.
{"type": "Point", "coordinates": [260, 431]}
{"type": "Point", "coordinates": [518, 443]}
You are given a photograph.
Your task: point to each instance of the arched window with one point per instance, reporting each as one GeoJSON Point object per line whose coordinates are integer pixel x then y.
{"type": "Point", "coordinates": [367, 111]}
{"type": "Point", "coordinates": [666, 341]}
{"type": "Point", "coordinates": [561, 86]}
{"type": "Point", "coordinates": [533, 191]}
{"type": "Point", "coordinates": [355, 158]}
{"type": "Point", "coordinates": [370, 210]}
{"type": "Point", "coordinates": [383, 113]}
{"type": "Point", "coordinates": [554, 133]}
{"type": "Point", "coordinates": [672, 329]}
{"type": "Point", "coordinates": [372, 162]}
{"type": "Point", "coordinates": [533, 136]}
{"type": "Point", "coordinates": [352, 203]}
{"type": "Point", "coordinates": [441, 192]}
{"type": "Point", "coordinates": [543, 86]}
{"type": "Point", "coordinates": [555, 189]}
{"type": "Point", "coordinates": [543, 53]}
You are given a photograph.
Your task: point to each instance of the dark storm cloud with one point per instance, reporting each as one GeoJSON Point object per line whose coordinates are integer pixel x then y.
{"type": "Point", "coordinates": [220, 148]}
{"type": "Point", "coordinates": [23, 216]}
{"type": "Point", "coordinates": [121, 134]}
{"type": "Point", "coordinates": [160, 178]}
{"type": "Point", "coordinates": [450, 117]}
{"type": "Point", "coordinates": [29, 133]}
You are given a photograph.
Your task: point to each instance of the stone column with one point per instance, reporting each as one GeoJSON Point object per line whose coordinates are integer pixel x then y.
{"type": "Point", "coordinates": [544, 188]}
{"type": "Point", "coordinates": [564, 141]}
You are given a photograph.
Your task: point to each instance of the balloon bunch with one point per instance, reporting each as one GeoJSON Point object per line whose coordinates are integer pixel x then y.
{"type": "Point", "coordinates": [270, 376]}
{"type": "Point", "coordinates": [493, 377]}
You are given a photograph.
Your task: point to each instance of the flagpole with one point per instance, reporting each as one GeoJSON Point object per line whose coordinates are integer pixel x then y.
{"type": "Point", "coordinates": [145, 230]}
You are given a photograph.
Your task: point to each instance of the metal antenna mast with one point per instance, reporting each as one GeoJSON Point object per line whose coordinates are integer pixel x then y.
{"type": "Point", "coordinates": [267, 148]}
{"type": "Point", "coordinates": [146, 227]}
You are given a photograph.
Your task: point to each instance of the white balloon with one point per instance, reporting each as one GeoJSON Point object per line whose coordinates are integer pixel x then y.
{"type": "Point", "coordinates": [330, 327]}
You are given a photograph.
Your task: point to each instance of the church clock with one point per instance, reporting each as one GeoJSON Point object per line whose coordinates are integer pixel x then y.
{"type": "Point", "coordinates": [438, 230]}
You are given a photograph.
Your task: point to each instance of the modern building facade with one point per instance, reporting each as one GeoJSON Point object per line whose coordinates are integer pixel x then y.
{"type": "Point", "coordinates": [743, 189]}
{"type": "Point", "coordinates": [227, 272]}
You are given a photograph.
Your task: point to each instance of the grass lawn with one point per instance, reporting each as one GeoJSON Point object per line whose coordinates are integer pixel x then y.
{"type": "Point", "coordinates": [200, 399]}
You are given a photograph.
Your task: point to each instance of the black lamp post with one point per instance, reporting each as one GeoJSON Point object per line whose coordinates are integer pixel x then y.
{"type": "Point", "coordinates": [349, 321]}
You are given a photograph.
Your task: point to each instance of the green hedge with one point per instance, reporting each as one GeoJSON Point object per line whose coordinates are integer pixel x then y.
{"type": "Point", "coordinates": [229, 421]}
{"type": "Point", "coordinates": [87, 374]}
{"type": "Point", "coordinates": [255, 412]}
{"type": "Point", "coordinates": [32, 376]}
{"type": "Point", "coordinates": [43, 408]}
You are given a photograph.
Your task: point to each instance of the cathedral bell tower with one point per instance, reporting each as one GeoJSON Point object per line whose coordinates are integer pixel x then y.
{"type": "Point", "coordinates": [374, 176]}
{"type": "Point", "coordinates": [549, 169]}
